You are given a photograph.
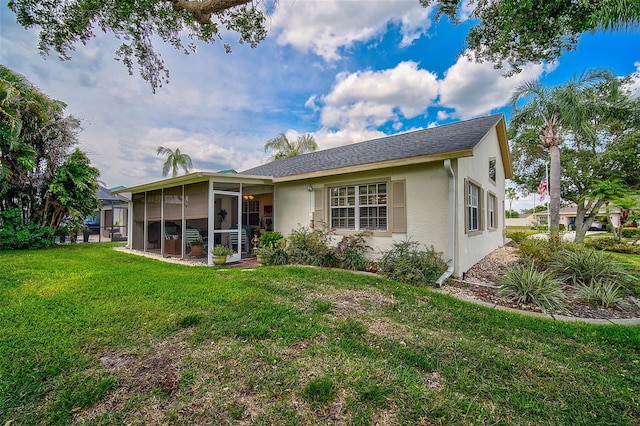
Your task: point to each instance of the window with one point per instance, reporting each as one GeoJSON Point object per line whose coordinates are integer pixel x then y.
{"type": "Point", "coordinates": [359, 207]}
{"type": "Point", "coordinates": [491, 211]}
{"type": "Point", "coordinates": [492, 170]}
{"type": "Point", "coordinates": [473, 209]}
{"type": "Point", "coordinates": [251, 213]}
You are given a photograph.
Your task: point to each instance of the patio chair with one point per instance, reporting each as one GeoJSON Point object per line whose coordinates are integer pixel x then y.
{"type": "Point", "coordinates": [233, 239]}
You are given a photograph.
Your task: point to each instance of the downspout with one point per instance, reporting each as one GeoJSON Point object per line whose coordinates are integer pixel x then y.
{"type": "Point", "coordinates": [452, 222]}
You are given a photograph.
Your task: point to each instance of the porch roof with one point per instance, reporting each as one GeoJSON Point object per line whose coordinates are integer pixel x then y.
{"type": "Point", "coordinates": [196, 177]}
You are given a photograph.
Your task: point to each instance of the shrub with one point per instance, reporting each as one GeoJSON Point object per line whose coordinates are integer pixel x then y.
{"type": "Point", "coordinates": [353, 260]}
{"type": "Point", "coordinates": [625, 248]}
{"type": "Point", "coordinates": [309, 247]}
{"type": "Point", "coordinates": [525, 284]}
{"type": "Point", "coordinates": [221, 251]}
{"type": "Point", "coordinates": [271, 239]}
{"type": "Point", "coordinates": [406, 262]}
{"type": "Point", "coordinates": [273, 256]}
{"type": "Point", "coordinates": [350, 251]}
{"type": "Point", "coordinates": [582, 266]}
{"type": "Point", "coordinates": [15, 235]}
{"type": "Point", "coordinates": [630, 233]}
{"type": "Point", "coordinates": [601, 243]}
{"type": "Point", "coordinates": [517, 236]}
{"type": "Point", "coordinates": [602, 293]}
{"type": "Point", "coordinates": [540, 251]}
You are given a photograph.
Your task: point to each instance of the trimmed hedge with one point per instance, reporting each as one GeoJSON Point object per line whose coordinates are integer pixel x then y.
{"type": "Point", "coordinates": [630, 233]}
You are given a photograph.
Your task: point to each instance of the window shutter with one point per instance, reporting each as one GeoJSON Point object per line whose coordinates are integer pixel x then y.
{"type": "Point", "coordinates": [482, 208]}
{"type": "Point", "coordinates": [398, 207]}
{"type": "Point", "coordinates": [467, 222]}
{"type": "Point", "coordinates": [318, 209]}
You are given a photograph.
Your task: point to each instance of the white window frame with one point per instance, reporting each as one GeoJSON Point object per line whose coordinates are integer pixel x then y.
{"type": "Point", "coordinates": [349, 199]}
{"type": "Point", "coordinates": [251, 209]}
{"type": "Point", "coordinates": [473, 207]}
{"type": "Point", "coordinates": [492, 205]}
{"type": "Point", "coordinates": [492, 170]}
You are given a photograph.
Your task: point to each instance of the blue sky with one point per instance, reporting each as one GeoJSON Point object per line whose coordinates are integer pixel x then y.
{"type": "Point", "coordinates": [345, 71]}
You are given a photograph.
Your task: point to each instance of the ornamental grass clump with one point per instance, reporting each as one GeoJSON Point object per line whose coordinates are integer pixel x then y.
{"type": "Point", "coordinates": [582, 266]}
{"type": "Point", "coordinates": [525, 284]}
{"type": "Point", "coordinates": [605, 294]}
{"type": "Point", "coordinates": [407, 262]}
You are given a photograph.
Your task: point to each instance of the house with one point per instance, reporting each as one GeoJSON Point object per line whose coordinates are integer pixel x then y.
{"type": "Point", "coordinates": [442, 187]}
{"type": "Point", "coordinates": [568, 215]}
{"type": "Point", "coordinates": [111, 220]}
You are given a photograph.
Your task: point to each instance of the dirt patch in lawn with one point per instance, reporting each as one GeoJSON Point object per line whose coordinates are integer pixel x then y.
{"type": "Point", "coordinates": [350, 302]}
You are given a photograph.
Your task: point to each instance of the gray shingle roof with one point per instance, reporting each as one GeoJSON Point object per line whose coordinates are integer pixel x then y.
{"type": "Point", "coordinates": [460, 136]}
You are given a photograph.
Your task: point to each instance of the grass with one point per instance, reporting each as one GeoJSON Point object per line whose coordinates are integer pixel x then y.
{"type": "Point", "coordinates": [629, 261]}
{"type": "Point", "coordinates": [93, 336]}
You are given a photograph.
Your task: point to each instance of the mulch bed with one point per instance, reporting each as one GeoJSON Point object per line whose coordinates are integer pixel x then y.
{"type": "Point", "coordinates": [480, 283]}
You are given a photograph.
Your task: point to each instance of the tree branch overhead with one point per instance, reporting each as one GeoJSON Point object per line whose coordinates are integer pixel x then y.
{"type": "Point", "coordinates": [201, 10]}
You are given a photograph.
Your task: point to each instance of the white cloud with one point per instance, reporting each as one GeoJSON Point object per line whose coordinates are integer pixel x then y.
{"type": "Point", "coordinates": [329, 139]}
{"type": "Point", "coordinates": [326, 27]}
{"type": "Point", "coordinates": [473, 89]}
{"type": "Point", "coordinates": [634, 86]}
{"type": "Point", "coordinates": [466, 10]}
{"type": "Point", "coordinates": [372, 98]}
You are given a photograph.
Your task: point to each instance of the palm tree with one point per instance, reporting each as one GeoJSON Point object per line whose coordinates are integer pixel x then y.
{"type": "Point", "coordinates": [512, 196]}
{"type": "Point", "coordinates": [174, 160]}
{"type": "Point", "coordinates": [283, 148]}
{"type": "Point", "coordinates": [556, 112]}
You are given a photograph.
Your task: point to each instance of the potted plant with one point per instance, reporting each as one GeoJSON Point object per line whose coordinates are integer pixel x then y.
{"type": "Point", "coordinates": [197, 245]}
{"type": "Point", "coordinates": [219, 254]}
{"type": "Point", "coordinates": [263, 254]}
{"type": "Point", "coordinates": [269, 243]}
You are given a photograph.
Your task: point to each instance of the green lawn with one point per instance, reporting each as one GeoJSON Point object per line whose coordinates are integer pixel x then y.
{"type": "Point", "coordinates": [93, 336]}
{"type": "Point", "coordinates": [629, 261]}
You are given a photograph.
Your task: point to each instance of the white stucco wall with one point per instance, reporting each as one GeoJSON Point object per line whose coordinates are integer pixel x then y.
{"type": "Point", "coordinates": [473, 247]}
{"type": "Point", "coordinates": [426, 203]}
{"type": "Point", "coordinates": [427, 191]}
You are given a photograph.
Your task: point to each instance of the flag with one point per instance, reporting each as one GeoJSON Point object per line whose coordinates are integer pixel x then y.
{"type": "Point", "coordinates": [542, 189]}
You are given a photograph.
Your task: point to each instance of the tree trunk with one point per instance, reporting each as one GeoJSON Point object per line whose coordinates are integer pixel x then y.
{"type": "Point", "coordinates": [584, 220]}
{"type": "Point", "coordinates": [554, 192]}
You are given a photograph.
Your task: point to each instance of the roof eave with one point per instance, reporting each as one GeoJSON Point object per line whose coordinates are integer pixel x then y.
{"type": "Point", "coordinates": [503, 140]}
{"type": "Point", "coordinates": [195, 177]}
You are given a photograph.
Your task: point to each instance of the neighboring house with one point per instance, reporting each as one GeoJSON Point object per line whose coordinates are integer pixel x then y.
{"type": "Point", "coordinates": [442, 187]}
{"type": "Point", "coordinates": [568, 217]}
{"type": "Point", "coordinates": [111, 220]}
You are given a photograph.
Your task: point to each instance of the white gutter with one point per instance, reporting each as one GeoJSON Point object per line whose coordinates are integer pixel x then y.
{"type": "Point", "coordinates": [452, 222]}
